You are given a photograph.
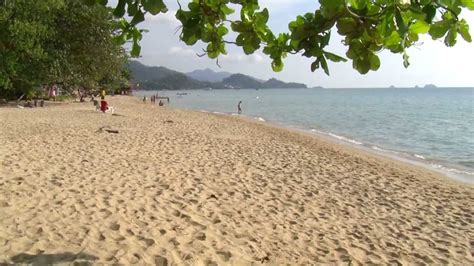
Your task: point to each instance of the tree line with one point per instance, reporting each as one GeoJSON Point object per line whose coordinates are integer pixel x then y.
{"type": "Point", "coordinates": [58, 42]}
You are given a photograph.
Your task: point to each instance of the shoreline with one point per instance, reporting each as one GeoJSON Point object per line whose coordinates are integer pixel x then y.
{"type": "Point", "coordinates": [455, 174]}
{"type": "Point", "coordinates": [184, 187]}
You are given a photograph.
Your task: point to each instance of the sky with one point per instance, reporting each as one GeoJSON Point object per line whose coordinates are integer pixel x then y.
{"type": "Point", "coordinates": [431, 62]}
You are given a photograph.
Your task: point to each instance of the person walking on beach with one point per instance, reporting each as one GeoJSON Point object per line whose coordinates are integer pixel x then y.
{"type": "Point", "coordinates": [239, 107]}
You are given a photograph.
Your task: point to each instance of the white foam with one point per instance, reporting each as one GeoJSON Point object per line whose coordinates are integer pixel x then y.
{"type": "Point", "coordinates": [378, 149]}
{"type": "Point", "coordinates": [260, 119]}
{"type": "Point", "coordinates": [419, 156]}
{"type": "Point", "coordinates": [452, 170]}
{"type": "Point", "coordinates": [317, 131]}
{"type": "Point", "coordinates": [345, 139]}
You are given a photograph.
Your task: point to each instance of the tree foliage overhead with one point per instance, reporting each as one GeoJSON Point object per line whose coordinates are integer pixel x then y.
{"type": "Point", "coordinates": [57, 42]}
{"type": "Point", "coordinates": [368, 26]}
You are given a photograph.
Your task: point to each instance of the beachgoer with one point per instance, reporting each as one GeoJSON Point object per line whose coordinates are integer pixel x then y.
{"type": "Point", "coordinates": [160, 103]}
{"type": "Point", "coordinates": [144, 99]}
{"type": "Point", "coordinates": [239, 107]}
{"type": "Point", "coordinates": [53, 93]}
{"type": "Point", "coordinates": [104, 106]}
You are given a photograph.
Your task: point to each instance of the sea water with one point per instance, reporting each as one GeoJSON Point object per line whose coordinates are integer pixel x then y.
{"type": "Point", "coordinates": [433, 126]}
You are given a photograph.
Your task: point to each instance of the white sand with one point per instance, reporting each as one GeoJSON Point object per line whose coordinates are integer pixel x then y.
{"type": "Point", "coordinates": [206, 189]}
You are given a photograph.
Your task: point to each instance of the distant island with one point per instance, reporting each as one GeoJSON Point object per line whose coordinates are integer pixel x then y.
{"type": "Point", "coordinates": [430, 86]}
{"type": "Point", "coordinates": [162, 78]}
{"type": "Point", "coordinates": [427, 86]}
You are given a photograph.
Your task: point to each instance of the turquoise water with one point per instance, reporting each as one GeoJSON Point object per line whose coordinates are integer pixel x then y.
{"type": "Point", "coordinates": [431, 126]}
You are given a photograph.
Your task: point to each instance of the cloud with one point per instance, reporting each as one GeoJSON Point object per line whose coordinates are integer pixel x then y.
{"type": "Point", "coordinates": [176, 50]}
{"type": "Point", "coordinates": [230, 57]}
{"type": "Point", "coordinates": [163, 18]}
{"type": "Point", "coordinates": [240, 58]}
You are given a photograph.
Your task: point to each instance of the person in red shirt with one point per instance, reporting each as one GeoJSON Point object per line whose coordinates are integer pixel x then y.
{"type": "Point", "coordinates": [104, 106]}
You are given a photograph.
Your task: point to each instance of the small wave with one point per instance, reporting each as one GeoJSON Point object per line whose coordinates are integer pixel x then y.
{"type": "Point", "coordinates": [345, 139]}
{"type": "Point", "coordinates": [419, 156]}
{"type": "Point", "coordinates": [452, 170]}
{"type": "Point", "coordinates": [378, 149]}
{"type": "Point", "coordinates": [317, 131]}
{"type": "Point", "coordinates": [260, 119]}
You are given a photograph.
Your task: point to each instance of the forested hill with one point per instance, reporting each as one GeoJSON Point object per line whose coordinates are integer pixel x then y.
{"type": "Point", "coordinates": [208, 75]}
{"type": "Point", "coordinates": [162, 78]}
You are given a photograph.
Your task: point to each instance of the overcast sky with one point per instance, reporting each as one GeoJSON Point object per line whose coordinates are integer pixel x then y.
{"type": "Point", "coordinates": [431, 63]}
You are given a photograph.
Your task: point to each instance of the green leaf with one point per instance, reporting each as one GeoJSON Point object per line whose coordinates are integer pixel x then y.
{"type": "Point", "coordinates": [222, 30]}
{"type": "Point", "coordinates": [393, 39]}
{"type": "Point", "coordinates": [346, 25]}
{"type": "Point", "coordinates": [139, 17]}
{"type": "Point", "coordinates": [132, 8]}
{"type": "Point", "coordinates": [249, 48]}
{"type": "Point", "coordinates": [463, 29]}
{"type": "Point", "coordinates": [277, 65]}
{"type": "Point", "coordinates": [329, 8]}
{"type": "Point", "coordinates": [325, 39]}
{"type": "Point", "coordinates": [439, 29]}
{"type": "Point", "coordinates": [374, 62]}
{"type": "Point", "coordinates": [90, 2]}
{"type": "Point", "coordinates": [227, 10]}
{"type": "Point", "coordinates": [430, 12]}
{"type": "Point", "coordinates": [362, 65]}
{"type": "Point", "coordinates": [315, 65]}
{"type": "Point", "coordinates": [334, 57]}
{"type": "Point", "coordinates": [402, 27]}
{"type": "Point", "coordinates": [419, 27]}
{"type": "Point", "coordinates": [450, 39]}
{"type": "Point", "coordinates": [154, 6]}
{"type": "Point", "coordinates": [324, 65]}
{"type": "Point", "coordinates": [261, 18]}
{"type": "Point", "coordinates": [468, 3]}
{"type": "Point", "coordinates": [406, 61]}
{"type": "Point", "coordinates": [358, 4]}
{"type": "Point", "coordinates": [135, 49]}
{"type": "Point", "coordinates": [119, 11]}
{"type": "Point", "coordinates": [387, 26]}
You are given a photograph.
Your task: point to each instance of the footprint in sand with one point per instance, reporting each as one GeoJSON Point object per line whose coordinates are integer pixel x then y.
{"type": "Point", "coordinates": [161, 261]}
{"type": "Point", "coordinates": [114, 226]}
{"type": "Point", "coordinates": [200, 236]}
{"type": "Point", "coordinates": [226, 255]}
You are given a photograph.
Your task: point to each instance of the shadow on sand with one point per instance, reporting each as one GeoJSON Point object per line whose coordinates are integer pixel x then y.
{"type": "Point", "coordinates": [48, 259]}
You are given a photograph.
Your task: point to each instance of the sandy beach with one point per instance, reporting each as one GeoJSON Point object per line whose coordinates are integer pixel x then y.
{"type": "Point", "coordinates": [183, 187]}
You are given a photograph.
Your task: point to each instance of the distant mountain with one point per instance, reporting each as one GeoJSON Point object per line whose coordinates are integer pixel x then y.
{"type": "Point", "coordinates": [247, 82]}
{"type": "Point", "coordinates": [208, 75]}
{"type": "Point", "coordinates": [243, 82]}
{"type": "Point", "coordinates": [278, 84]}
{"type": "Point", "coordinates": [141, 72]}
{"type": "Point", "coordinates": [162, 78]}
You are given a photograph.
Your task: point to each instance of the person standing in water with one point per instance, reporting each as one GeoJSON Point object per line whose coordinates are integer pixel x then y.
{"type": "Point", "coordinates": [239, 107]}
